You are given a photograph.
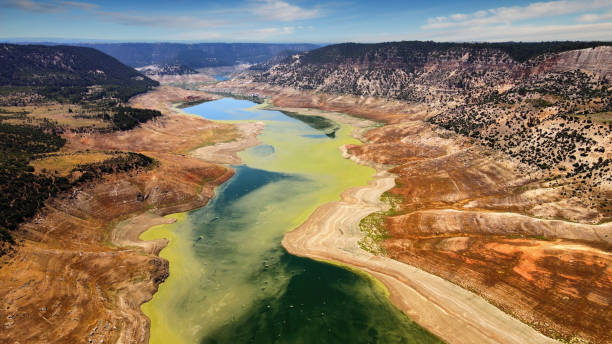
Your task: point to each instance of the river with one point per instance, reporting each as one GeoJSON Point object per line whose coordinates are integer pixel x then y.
{"type": "Point", "coordinates": [230, 279]}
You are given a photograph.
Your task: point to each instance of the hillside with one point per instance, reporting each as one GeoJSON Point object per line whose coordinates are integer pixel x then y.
{"type": "Point", "coordinates": [501, 156]}
{"type": "Point", "coordinates": [413, 71]}
{"type": "Point", "coordinates": [38, 65]}
{"type": "Point", "coordinates": [47, 92]}
{"type": "Point", "coordinates": [199, 55]}
{"type": "Point", "coordinates": [541, 103]}
{"type": "Point", "coordinates": [154, 70]}
{"type": "Point", "coordinates": [65, 73]}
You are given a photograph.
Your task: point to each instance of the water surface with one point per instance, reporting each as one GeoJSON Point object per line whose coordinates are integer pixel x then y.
{"type": "Point", "coordinates": [230, 279]}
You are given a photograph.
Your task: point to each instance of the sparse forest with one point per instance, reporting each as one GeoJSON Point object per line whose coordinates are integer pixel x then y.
{"type": "Point", "coordinates": [43, 75]}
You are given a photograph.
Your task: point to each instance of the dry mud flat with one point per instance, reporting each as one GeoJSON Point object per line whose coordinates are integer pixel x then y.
{"type": "Point", "coordinates": [475, 218]}
{"type": "Point", "coordinates": [79, 273]}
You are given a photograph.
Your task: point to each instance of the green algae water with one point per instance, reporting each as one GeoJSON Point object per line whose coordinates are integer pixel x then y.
{"type": "Point", "coordinates": [231, 281]}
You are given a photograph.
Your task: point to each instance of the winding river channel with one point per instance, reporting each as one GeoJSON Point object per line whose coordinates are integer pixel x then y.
{"type": "Point", "coordinates": [231, 281]}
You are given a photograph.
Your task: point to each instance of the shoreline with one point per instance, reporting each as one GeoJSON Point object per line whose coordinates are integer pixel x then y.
{"type": "Point", "coordinates": [439, 170]}
{"type": "Point", "coordinates": [126, 233]}
{"type": "Point", "coordinates": [331, 234]}
{"type": "Point", "coordinates": [409, 288]}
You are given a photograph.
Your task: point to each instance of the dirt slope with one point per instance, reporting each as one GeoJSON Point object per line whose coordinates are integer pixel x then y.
{"type": "Point", "coordinates": [479, 218]}
{"type": "Point", "coordinates": [79, 275]}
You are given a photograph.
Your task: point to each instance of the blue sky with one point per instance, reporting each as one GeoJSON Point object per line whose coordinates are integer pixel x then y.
{"type": "Point", "coordinates": [306, 21]}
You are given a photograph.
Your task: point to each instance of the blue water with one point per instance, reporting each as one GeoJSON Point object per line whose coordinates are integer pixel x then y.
{"type": "Point", "coordinates": [236, 110]}
{"type": "Point", "coordinates": [222, 77]}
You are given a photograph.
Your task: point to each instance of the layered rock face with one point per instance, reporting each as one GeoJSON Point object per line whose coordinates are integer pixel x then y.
{"type": "Point", "coordinates": [503, 167]}
{"type": "Point", "coordinates": [551, 111]}
{"type": "Point", "coordinates": [422, 71]}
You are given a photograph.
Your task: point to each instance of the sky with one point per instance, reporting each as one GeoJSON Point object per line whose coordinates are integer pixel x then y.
{"type": "Point", "coordinates": [304, 20]}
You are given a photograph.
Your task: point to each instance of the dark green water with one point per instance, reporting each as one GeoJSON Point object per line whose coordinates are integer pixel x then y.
{"type": "Point", "coordinates": [230, 279]}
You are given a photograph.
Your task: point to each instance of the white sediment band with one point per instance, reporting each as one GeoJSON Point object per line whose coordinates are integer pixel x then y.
{"type": "Point", "coordinates": [452, 313]}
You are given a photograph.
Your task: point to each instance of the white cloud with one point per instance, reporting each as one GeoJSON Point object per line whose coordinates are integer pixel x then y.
{"type": "Point", "coordinates": [77, 4]}
{"type": "Point", "coordinates": [196, 36]}
{"type": "Point", "coordinates": [508, 15]}
{"type": "Point", "coordinates": [283, 11]}
{"type": "Point", "coordinates": [501, 33]}
{"type": "Point", "coordinates": [264, 33]}
{"type": "Point", "coordinates": [46, 7]}
{"type": "Point", "coordinates": [274, 31]}
{"type": "Point", "coordinates": [592, 18]}
{"type": "Point", "coordinates": [157, 21]}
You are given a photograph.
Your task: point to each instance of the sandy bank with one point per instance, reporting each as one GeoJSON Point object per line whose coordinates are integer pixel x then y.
{"type": "Point", "coordinates": [452, 313]}
{"type": "Point", "coordinates": [226, 152]}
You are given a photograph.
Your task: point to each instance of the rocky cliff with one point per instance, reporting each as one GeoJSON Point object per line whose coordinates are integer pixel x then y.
{"type": "Point", "coordinates": [545, 107]}
{"type": "Point", "coordinates": [502, 157]}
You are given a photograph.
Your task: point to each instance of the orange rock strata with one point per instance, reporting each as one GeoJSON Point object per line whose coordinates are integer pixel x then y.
{"type": "Point", "coordinates": [481, 219]}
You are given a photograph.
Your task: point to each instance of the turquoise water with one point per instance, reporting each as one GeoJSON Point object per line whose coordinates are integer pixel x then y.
{"type": "Point", "coordinates": [222, 77]}
{"type": "Point", "coordinates": [230, 279]}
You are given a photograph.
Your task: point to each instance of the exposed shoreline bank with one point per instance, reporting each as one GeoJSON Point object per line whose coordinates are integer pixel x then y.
{"type": "Point", "coordinates": [455, 198]}
{"type": "Point", "coordinates": [89, 238]}
{"type": "Point", "coordinates": [127, 233]}
{"type": "Point", "coordinates": [332, 234]}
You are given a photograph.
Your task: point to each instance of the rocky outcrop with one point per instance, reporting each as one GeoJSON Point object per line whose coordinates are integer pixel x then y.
{"type": "Point", "coordinates": [166, 69]}
{"type": "Point", "coordinates": [596, 60]}
{"type": "Point", "coordinates": [424, 71]}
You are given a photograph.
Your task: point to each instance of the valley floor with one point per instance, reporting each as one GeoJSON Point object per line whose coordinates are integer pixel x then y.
{"type": "Point", "coordinates": [470, 242]}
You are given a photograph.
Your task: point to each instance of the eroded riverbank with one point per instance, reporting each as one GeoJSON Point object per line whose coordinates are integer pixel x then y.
{"type": "Point", "coordinates": [475, 217]}
{"type": "Point", "coordinates": [230, 279]}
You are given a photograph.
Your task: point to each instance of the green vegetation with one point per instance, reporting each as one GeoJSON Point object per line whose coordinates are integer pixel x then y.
{"type": "Point", "coordinates": [373, 225]}
{"type": "Point", "coordinates": [122, 163]}
{"type": "Point", "coordinates": [394, 201]}
{"type": "Point", "coordinates": [33, 80]}
{"type": "Point", "coordinates": [191, 103]}
{"type": "Point", "coordinates": [373, 228]}
{"type": "Point", "coordinates": [603, 117]}
{"type": "Point", "coordinates": [316, 122]}
{"type": "Point", "coordinates": [40, 65]}
{"type": "Point", "coordinates": [540, 103]}
{"type": "Point", "coordinates": [25, 139]}
{"type": "Point", "coordinates": [68, 74]}
{"type": "Point", "coordinates": [127, 118]}
{"type": "Point", "coordinates": [22, 192]}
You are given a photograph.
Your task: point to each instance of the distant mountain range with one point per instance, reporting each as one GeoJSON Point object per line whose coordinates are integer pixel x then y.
{"type": "Point", "coordinates": [194, 56]}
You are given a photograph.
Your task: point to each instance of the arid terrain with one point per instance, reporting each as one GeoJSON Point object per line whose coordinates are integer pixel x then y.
{"type": "Point", "coordinates": [79, 272]}
{"type": "Point", "coordinates": [488, 220]}
{"type": "Point", "coordinates": [497, 220]}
